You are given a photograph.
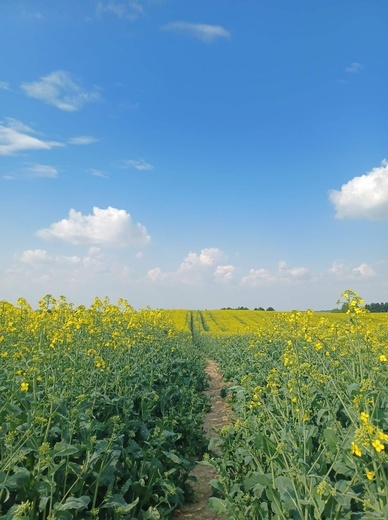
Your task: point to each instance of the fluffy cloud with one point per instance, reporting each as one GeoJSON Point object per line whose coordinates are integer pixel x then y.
{"type": "Point", "coordinates": [107, 227]}
{"type": "Point", "coordinates": [204, 32]}
{"type": "Point", "coordinates": [344, 272]}
{"type": "Point", "coordinates": [363, 270]}
{"type": "Point", "coordinates": [194, 269]}
{"type": "Point", "coordinates": [295, 273]}
{"type": "Point", "coordinates": [207, 257]}
{"type": "Point", "coordinates": [257, 277]}
{"type": "Point", "coordinates": [37, 257]}
{"type": "Point", "coordinates": [15, 137]}
{"type": "Point", "coordinates": [60, 90]}
{"type": "Point", "coordinates": [224, 273]}
{"type": "Point", "coordinates": [363, 197]}
{"type": "Point", "coordinates": [82, 139]}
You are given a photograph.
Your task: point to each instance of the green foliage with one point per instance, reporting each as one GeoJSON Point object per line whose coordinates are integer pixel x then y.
{"type": "Point", "coordinates": [310, 436]}
{"type": "Point", "coordinates": [100, 413]}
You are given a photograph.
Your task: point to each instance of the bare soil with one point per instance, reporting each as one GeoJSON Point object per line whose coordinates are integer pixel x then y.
{"type": "Point", "coordinates": [214, 420]}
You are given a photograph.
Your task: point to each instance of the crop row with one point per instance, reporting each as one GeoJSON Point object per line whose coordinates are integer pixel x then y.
{"type": "Point", "coordinates": [310, 434]}
{"type": "Point", "coordinates": [100, 412]}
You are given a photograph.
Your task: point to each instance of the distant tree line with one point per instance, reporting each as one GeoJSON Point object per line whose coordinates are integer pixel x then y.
{"type": "Point", "coordinates": [377, 307]}
{"type": "Point", "coordinates": [371, 307]}
{"type": "Point", "coordinates": [246, 309]}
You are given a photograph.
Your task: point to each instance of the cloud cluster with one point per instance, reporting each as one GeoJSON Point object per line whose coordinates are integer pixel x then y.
{"type": "Point", "coordinates": [363, 197]}
{"type": "Point", "coordinates": [16, 137]}
{"type": "Point", "coordinates": [37, 257]}
{"type": "Point", "coordinates": [61, 91]}
{"type": "Point", "coordinates": [195, 268]}
{"type": "Point", "coordinates": [106, 227]}
{"type": "Point", "coordinates": [204, 32]}
{"type": "Point", "coordinates": [345, 272]}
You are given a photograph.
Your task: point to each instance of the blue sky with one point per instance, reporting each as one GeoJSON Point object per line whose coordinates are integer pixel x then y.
{"type": "Point", "coordinates": [194, 153]}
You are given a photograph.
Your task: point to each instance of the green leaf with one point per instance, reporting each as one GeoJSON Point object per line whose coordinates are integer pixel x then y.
{"type": "Point", "coordinates": [17, 480]}
{"type": "Point", "coordinates": [331, 437]}
{"type": "Point", "coordinates": [75, 503]}
{"type": "Point", "coordinates": [217, 505]}
{"type": "Point", "coordinates": [117, 502]}
{"type": "Point", "coordinates": [172, 456]}
{"type": "Point", "coordinates": [62, 449]}
{"type": "Point", "coordinates": [286, 490]}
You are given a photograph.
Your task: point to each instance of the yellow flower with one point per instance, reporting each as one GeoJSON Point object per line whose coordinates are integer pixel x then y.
{"type": "Point", "coordinates": [378, 446]}
{"type": "Point", "coordinates": [364, 417]}
{"type": "Point", "coordinates": [24, 387]}
{"type": "Point", "coordinates": [355, 450]}
{"type": "Point", "coordinates": [383, 357]}
{"type": "Point", "coordinates": [383, 436]}
{"type": "Point", "coordinates": [370, 475]}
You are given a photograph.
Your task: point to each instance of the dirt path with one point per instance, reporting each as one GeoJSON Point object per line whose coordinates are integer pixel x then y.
{"type": "Point", "coordinates": [214, 420]}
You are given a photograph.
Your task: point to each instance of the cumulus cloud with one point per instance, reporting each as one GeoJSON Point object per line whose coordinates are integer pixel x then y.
{"type": "Point", "coordinates": [363, 270]}
{"type": "Point", "coordinates": [204, 32]}
{"type": "Point", "coordinates": [343, 271]}
{"type": "Point", "coordinates": [16, 137]}
{"type": "Point", "coordinates": [257, 277]}
{"type": "Point", "coordinates": [61, 91]}
{"type": "Point", "coordinates": [37, 257]}
{"type": "Point", "coordinates": [194, 268]}
{"type": "Point", "coordinates": [224, 273]}
{"type": "Point", "coordinates": [126, 10]}
{"type": "Point", "coordinates": [82, 139]}
{"type": "Point", "coordinates": [295, 273]}
{"type": "Point", "coordinates": [363, 197]}
{"type": "Point", "coordinates": [139, 164]}
{"type": "Point", "coordinates": [107, 227]}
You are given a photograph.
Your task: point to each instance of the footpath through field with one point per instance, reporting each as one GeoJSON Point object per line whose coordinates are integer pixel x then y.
{"type": "Point", "coordinates": [214, 420]}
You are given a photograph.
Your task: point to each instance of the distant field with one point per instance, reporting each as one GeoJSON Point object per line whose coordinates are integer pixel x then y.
{"type": "Point", "coordinates": [220, 322]}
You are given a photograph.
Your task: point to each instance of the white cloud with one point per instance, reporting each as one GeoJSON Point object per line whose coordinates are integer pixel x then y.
{"type": "Point", "coordinates": [296, 273]}
{"type": "Point", "coordinates": [34, 171]}
{"type": "Point", "coordinates": [257, 277]}
{"type": "Point", "coordinates": [363, 197]}
{"type": "Point", "coordinates": [126, 10]}
{"type": "Point", "coordinates": [207, 257]}
{"type": "Point", "coordinates": [204, 32]}
{"type": "Point", "coordinates": [107, 227]}
{"type": "Point", "coordinates": [363, 270]}
{"type": "Point", "coordinates": [139, 165]}
{"type": "Point", "coordinates": [354, 68]}
{"type": "Point", "coordinates": [97, 173]}
{"type": "Point", "coordinates": [194, 269]}
{"type": "Point", "coordinates": [344, 272]}
{"type": "Point", "coordinates": [42, 170]}
{"type": "Point", "coordinates": [82, 139]}
{"type": "Point", "coordinates": [16, 137]}
{"type": "Point", "coordinates": [4, 85]}
{"type": "Point", "coordinates": [224, 273]}
{"type": "Point", "coordinates": [60, 90]}
{"type": "Point", "coordinates": [37, 257]}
